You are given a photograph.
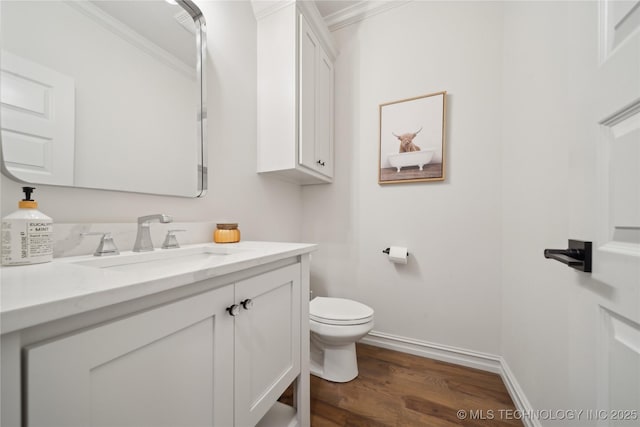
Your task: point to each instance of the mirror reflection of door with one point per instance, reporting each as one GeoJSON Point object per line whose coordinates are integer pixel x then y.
{"type": "Point", "coordinates": [38, 116]}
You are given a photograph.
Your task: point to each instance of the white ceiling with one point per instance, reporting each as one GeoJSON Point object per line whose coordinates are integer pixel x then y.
{"type": "Point", "coordinates": [329, 7]}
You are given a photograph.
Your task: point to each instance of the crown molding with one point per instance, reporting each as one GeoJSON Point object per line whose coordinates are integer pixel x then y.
{"type": "Point", "coordinates": [263, 8]}
{"type": "Point", "coordinates": [359, 12]}
{"type": "Point", "coordinates": [310, 11]}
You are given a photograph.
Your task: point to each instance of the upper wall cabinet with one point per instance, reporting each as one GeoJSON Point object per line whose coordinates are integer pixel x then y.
{"type": "Point", "coordinates": [295, 92]}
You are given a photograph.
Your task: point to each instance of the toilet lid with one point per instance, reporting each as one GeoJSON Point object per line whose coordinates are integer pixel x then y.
{"type": "Point", "coordinates": [339, 311]}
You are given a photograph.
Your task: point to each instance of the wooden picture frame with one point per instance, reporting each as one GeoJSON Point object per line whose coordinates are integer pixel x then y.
{"type": "Point", "coordinates": [412, 140]}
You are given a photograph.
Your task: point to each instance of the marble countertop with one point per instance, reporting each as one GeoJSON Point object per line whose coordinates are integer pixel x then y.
{"type": "Point", "coordinates": [35, 294]}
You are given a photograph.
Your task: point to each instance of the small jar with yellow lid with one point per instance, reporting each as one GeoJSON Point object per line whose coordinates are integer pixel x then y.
{"type": "Point", "coordinates": [226, 233]}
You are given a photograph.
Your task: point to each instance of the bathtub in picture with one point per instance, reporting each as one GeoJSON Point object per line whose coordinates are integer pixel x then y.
{"type": "Point", "coordinates": [412, 158]}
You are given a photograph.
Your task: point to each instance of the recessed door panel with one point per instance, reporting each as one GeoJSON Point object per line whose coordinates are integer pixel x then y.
{"type": "Point", "coordinates": [38, 117]}
{"type": "Point", "coordinates": [168, 366]}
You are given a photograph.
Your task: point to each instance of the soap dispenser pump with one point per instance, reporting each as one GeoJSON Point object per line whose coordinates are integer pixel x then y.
{"type": "Point", "coordinates": [27, 234]}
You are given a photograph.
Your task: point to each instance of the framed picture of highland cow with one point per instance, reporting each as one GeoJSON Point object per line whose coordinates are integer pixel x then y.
{"type": "Point", "coordinates": [412, 140]}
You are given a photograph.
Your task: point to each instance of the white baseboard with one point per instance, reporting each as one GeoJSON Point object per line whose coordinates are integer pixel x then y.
{"type": "Point", "coordinates": [517, 394]}
{"type": "Point", "coordinates": [459, 356]}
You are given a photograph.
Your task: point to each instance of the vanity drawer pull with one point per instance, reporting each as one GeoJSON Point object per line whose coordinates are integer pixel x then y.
{"type": "Point", "coordinates": [247, 304]}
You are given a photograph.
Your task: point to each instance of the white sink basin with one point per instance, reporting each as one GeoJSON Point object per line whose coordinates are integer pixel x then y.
{"type": "Point", "coordinates": [161, 260]}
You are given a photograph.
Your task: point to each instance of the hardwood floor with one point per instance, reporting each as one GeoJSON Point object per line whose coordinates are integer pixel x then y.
{"type": "Point", "coordinates": [398, 389]}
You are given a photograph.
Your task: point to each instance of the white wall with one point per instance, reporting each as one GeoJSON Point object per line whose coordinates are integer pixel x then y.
{"type": "Point", "coordinates": [449, 293]}
{"type": "Point", "coordinates": [521, 150]}
{"type": "Point", "coordinates": [535, 204]}
{"type": "Point", "coordinates": [266, 209]}
{"type": "Point", "coordinates": [550, 316]}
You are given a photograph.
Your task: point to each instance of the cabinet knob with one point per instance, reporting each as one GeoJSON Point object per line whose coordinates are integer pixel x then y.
{"type": "Point", "coordinates": [320, 162]}
{"type": "Point", "coordinates": [234, 310]}
{"type": "Point", "coordinates": [247, 304]}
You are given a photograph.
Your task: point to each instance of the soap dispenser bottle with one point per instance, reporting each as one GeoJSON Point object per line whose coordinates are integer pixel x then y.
{"type": "Point", "coordinates": [27, 234]}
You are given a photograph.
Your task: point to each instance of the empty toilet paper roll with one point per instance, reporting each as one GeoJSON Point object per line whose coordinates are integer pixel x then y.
{"type": "Point", "coordinates": [398, 254]}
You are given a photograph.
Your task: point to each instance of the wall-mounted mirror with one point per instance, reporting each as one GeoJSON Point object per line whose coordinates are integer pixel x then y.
{"type": "Point", "coordinates": [104, 94]}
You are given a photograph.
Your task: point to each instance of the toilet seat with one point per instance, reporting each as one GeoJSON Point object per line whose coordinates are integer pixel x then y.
{"type": "Point", "coordinates": [339, 311]}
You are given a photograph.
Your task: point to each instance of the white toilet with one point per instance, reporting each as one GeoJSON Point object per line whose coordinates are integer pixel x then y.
{"type": "Point", "coordinates": [336, 324]}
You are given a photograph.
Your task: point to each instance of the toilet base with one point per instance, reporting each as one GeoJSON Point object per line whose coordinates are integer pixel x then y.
{"type": "Point", "coordinates": [334, 363]}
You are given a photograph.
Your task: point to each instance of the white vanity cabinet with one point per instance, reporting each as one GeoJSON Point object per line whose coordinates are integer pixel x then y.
{"type": "Point", "coordinates": [215, 352]}
{"type": "Point", "coordinates": [168, 366]}
{"type": "Point", "coordinates": [267, 342]}
{"type": "Point", "coordinates": [295, 93]}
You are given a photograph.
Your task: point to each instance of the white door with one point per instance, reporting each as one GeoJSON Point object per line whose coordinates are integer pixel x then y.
{"type": "Point", "coordinates": [267, 341]}
{"type": "Point", "coordinates": [169, 366]}
{"type": "Point", "coordinates": [617, 247]}
{"type": "Point", "coordinates": [38, 119]}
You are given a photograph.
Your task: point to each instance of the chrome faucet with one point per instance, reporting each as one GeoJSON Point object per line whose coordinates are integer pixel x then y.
{"type": "Point", "coordinates": [143, 238]}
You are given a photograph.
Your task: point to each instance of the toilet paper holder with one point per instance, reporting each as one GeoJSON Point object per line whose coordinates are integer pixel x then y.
{"type": "Point", "coordinates": [386, 251]}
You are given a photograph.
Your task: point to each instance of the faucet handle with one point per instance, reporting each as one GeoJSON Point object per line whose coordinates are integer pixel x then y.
{"type": "Point", "coordinates": [107, 246]}
{"type": "Point", "coordinates": [171, 242]}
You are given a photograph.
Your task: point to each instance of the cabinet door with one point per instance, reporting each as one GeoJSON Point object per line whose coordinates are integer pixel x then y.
{"type": "Point", "coordinates": [316, 103]}
{"type": "Point", "coordinates": [324, 115]}
{"type": "Point", "coordinates": [309, 53]}
{"type": "Point", "coordinates": [168, 366]}
{"type": "Point", "coordinates": [267, 345]}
